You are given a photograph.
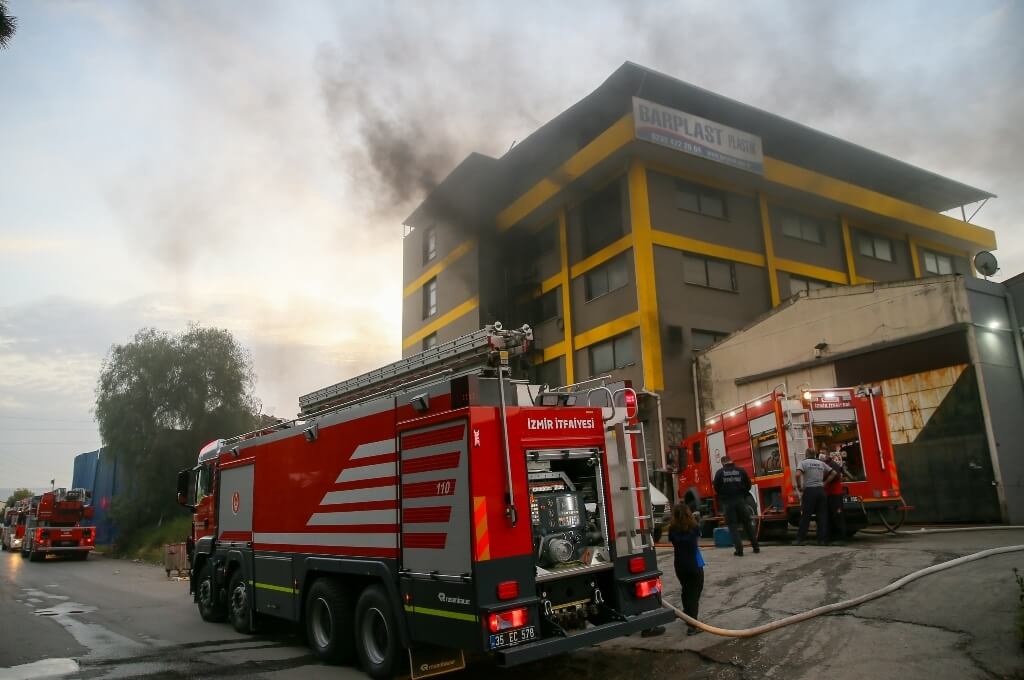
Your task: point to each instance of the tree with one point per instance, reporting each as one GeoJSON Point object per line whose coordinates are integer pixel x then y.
{"type": "Point", "coordinates": [8, 25]}
{"type": "Point", "coordinates": [159, 399]}
{"type": "Point", "coordinates": [18, 495]}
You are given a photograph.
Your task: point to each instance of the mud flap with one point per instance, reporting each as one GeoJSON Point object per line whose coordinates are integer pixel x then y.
{"type": "Point", "coordinates": [426, 661]}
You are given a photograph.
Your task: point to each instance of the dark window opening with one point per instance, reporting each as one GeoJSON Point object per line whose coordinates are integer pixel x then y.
{"type": "Point", "coordinates": [430, 298]}
{"type": "Point", "coordinates": [802, 227]}
{"type": "Point", "coordinates": [606, 278]}
{"type": "Point", "coordinates": [611, 354]}
{"type": "Point", "coordinates": [700, 271]}
{"type": "Point", "coordinates": [602, 218]}
{"type": "Point", "coordinates": [429, 245]}
{"type": "Point", "coordinates": [877, 247]}
{"type": "Point", "coordinates": [700, 199]}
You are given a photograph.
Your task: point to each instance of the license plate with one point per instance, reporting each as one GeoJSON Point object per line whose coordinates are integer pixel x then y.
{"type": "Point", "coordinates": [853, 499]}
{"type": "Point", "coordinates": [510, 638]}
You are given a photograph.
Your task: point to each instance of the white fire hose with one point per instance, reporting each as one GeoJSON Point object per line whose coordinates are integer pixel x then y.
{"type": "Point", "coordinates": [847, 604]}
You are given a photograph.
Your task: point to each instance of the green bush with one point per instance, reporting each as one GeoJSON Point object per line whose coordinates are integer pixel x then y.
{"type": "Point", "coordinates": [148, 544]}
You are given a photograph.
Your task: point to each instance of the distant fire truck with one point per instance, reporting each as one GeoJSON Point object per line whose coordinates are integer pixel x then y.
{"type": "Point", "coordinates": [14, 526]}
{"type": "Point", "coordinates": [768, 437]}
{"type": "Point", "coordinates": [434, 506]}
{"type": "Point", "coordinates": [53, 525]}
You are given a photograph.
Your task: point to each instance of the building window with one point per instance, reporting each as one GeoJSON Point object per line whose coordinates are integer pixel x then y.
{"type": "Point", "coordinates": [701, 340]}
{"type": "Point", "coordinates": [700, 199]}
{"type": "Point", "coordinates": [546, 306]}
{"type": "Point", "coordinates": [602, 219]}
{"type": "Point", "coordinates": [546, 240]}
{"type": "Point", "coordinates": [430, 342]}
{"type": "Point", "coordinates": [430, 298]}
{"type": "Point", "coordinates": [606, 278]}
{"type": "Point", "coordinates": [701, 271]}
{"type": "Point", "coordinates": [798, 285]}
{"type": "Point", "coordinates": [429, 245]}
{"type": "Point", "coordinates": [937, 264]}
{"type": "Point", "coordinates": [802, 227]}
{"type": "Point", "coordinates": [549, 373]}
{"type": "Point", "coordinates": [610, 354]}
{"type": "Point", "coordinates": [877, 247]}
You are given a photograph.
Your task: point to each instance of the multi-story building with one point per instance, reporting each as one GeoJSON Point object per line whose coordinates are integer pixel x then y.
{"type": "Point", "coordinates": [652, 218]}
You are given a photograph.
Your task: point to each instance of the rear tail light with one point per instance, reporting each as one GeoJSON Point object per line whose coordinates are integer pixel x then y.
{"type": "Point", "coordinates": [42, 535]}
{"type": "Point", "coordinates": [508, 590]}
{"type": "Point", "coordinates": [637, 564]}
{"type": "Point", "coordinates": [513, 618]}
{"type": "Point", "coordinates": [793, 499]}
{"type": "Point", "coordinates": [890, 493]}
{"type": "Point", "coordinates": [648, 588]}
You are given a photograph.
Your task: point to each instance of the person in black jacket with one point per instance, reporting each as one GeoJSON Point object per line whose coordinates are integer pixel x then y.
{"type": "Point", "coordinates": [733, 488]}
{"type": "Point", "coordinates": [683, 533]}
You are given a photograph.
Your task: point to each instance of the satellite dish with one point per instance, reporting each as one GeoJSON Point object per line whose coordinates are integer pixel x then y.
{"type": "Point", "coordinates": [986, 264]}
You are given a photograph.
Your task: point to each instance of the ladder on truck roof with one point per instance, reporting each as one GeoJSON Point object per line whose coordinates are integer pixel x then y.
{"type": "Point", "coordinates": [475, 349]}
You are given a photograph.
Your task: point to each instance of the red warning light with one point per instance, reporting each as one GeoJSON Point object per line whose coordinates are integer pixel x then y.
{"type": "Point", "coordinates": [631, 408]}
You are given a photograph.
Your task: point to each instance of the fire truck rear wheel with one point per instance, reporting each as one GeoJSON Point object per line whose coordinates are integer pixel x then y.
{"type": "Point", "coordinates": [238, 603]}
{"type": "Point", "coordinates": [211, 607]}
{"type": "Point", "coordinates": [377, 634]}
{"type": "Point", "coordinates": [36, 556]}
{"type": "Point", "coordinates": [329, 621]}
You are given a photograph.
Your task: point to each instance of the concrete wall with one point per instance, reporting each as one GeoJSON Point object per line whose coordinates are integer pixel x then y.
{"type": "Point", "coordinates": [846, 318]}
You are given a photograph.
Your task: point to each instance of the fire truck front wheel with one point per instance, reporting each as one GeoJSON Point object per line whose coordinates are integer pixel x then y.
{"type": "Point", "coordinates": [329, 621]}
{"type": "Point", "coordinates": [377, 634]}
{"type": "Point", "coordinates": [211, 607]}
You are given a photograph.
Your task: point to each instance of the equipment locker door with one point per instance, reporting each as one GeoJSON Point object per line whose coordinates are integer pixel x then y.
{"type": "Point", "coordinates": [235, 510]}
{"type": "Point", "coordinates": [435, 499]}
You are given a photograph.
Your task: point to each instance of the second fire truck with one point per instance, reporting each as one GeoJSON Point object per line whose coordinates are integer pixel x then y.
{"type": "Point", "coordinates": [434, 508]}
{"type": "Point", "coordinates": [14, 526]}
{"type": "Point", "coordinates": [768, 436]}
{"type": "Point", "coordinates": [53, 525]}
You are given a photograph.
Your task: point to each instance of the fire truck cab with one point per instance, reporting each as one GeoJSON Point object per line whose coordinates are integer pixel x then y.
{"type": "Point", "coordinates": [434, 508]}
{"type": "Point", "coordinates": [13, 527]}
{"type": "Point", "coordinates": [768, 437]}
{"type": "Point", "coordinates": [53, 525]}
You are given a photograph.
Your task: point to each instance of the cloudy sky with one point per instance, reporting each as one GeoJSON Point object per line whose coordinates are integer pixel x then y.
{"type": "Point", "coordinates": [247, 164]}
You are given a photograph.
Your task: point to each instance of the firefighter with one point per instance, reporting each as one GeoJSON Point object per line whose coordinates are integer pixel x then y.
{"type": "Point", "coordinates": [811, 477]}
{"type": "Point", "coordinates": [733, 488]}
{"type": "Point", "coordinates": [834, 498]}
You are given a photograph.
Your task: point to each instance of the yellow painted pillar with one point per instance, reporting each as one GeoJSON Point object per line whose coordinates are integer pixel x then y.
{"type": "Point", "coordinates": [769, 249]}
{"type": "Point", "coordinates": [914, 260]}
{"type": "Point", "coordinates": [646, 288]}
{"type": "Point", "coordinates": [851, 268]}
{"type": "Point", "coordinates": [563, 243]}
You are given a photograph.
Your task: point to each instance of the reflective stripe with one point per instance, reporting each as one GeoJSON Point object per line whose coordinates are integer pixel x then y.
{"type": "Point", "coordinates": [271, 586]}
{"type": "Point", "coordinates": [374, 449]}
{"type": "Point", "coordinates": [377, 471]}
{"type": "Point", "coordinates": [375, 493]}
{"type": "Point", "coordinates": [440, 612]}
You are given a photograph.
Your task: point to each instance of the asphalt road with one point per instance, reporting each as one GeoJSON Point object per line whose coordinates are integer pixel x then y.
{"type": "Point", "coordinates": [108, 618]}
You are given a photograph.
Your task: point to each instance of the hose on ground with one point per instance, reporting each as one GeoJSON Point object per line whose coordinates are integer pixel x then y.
{"type": "Point", "coordinates": [845, 604]}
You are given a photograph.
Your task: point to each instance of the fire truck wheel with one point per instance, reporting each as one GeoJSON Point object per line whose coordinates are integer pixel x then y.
{"type": "Point", "coordinates": [377, 634]}
{"type": "Point", "coordinates": [238, 603]}
{"type": "Point", "coordinates": [329, 621]}
{"type": "Point", "coordinates": [36, 556]}
{"type": "Point", "coordinates": [211, 608]}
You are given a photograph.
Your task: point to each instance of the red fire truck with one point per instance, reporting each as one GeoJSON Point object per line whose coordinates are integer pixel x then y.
{"type": "Point", "coordinates": [53, 525]}
{"type": "Point", "coordinates": [14, 526]}
{"type": "Point", "coordinates": [768, 436]}
{"type": "Point", "coordinates": [434, 506]}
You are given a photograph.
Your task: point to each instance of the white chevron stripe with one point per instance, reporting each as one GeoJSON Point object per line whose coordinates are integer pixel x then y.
{"type": "Point", "coordinates": [353, 517]}
{"type": "Point", "coordinates": [374, 449]}
{"type": "Point", "coordinates": [378, 540]}
{"type": "Point", "coordinates": [354, 474]}
{"type": "Point", "coordinates": [376, 493]}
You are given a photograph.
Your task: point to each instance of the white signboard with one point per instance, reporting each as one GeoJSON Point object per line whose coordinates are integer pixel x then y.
{"type": "Point", "coordinates": [698, 136]}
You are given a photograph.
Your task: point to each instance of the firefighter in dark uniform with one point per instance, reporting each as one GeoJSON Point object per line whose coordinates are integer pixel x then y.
{"type": "Point", "coordinates": [733, 488]}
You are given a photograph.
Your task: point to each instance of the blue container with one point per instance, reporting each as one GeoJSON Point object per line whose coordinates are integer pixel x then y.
{"type": "Point", "coordinates": [722, 537]}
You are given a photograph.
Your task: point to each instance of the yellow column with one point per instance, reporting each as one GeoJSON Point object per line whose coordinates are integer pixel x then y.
{"type": "Point", "coordinates": [563, 242]}
{"type": "Point", "coordinates": [912, 244]}
{"type": "Point", "coordinates": [769, 249]}
{"type": "Point", "coordinates": [851, 269]}
{"type": "Point", "coordinates": [646, 289]}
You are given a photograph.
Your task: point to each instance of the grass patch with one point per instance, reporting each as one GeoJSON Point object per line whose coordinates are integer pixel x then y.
{"type": "Point", "coordinates": [148, 544]}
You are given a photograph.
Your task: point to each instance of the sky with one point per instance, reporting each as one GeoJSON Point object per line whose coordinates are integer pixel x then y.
{"type": "Point", "coordinates": [247, 165]}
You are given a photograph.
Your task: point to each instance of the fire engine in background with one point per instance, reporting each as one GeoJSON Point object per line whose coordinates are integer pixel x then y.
{"type": "Point", "coordinates": [768, 436]}
{"type": "Point", "coordinates": [14, 525]}
{"type": "Point", "coordinates": [434, 505]}
{"type": "Point", "coordinates": [53, 525]}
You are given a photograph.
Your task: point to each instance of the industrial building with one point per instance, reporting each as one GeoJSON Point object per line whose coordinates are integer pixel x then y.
{"type": "Point", "coordinates": [652, 219]}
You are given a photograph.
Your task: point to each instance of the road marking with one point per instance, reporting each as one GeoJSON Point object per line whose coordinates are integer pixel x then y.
{"type": "Point", "coordinates": [46, 668]}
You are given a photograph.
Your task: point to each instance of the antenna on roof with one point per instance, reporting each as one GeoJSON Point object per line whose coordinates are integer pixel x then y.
{"type": "Point", "coordinates": [513, 144]}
